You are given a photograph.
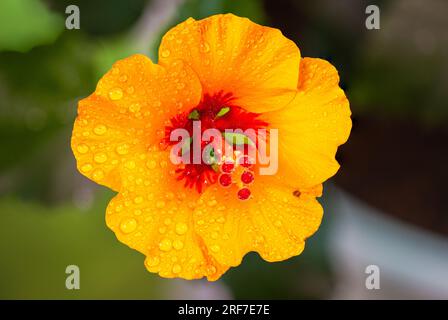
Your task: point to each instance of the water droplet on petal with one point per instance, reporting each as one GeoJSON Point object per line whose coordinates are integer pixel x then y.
{"type": "Point", "coordinates": [128, 225]}
{"type": "Point", "coordinates": [135, 107]}
{"type": "Point", "coordinates": [116, 94]}
{"type": "Point", "coordinates": [130, 90]}
{"type": "Point", "coordinates": [86, 167]}
{"type": "Point", "coordinates": [98, 174]}
{"type": "Point", "coordinates": [100, 130]}
{"type": "Point", "coordinates": [122, 149]}
{"type": "Point", "coordinates": [100, 157]}
{"type": "Point", "coordinates": [152, 261]}
{"type": "Point", "coordinates": [138, 200]}
{"type": "Point", "coordinates": [212, 203]}
{"type": "Point", "coordinates": [177, 268]}
{"type": "Point", "coordinates": [82, 148]}
{"type": "Point", "coordinates": [205, 47]}
{"type": "Point", "coordinates": [178, 245]}
{"type": "Point", "coordinates": [163, 164]}
{"type": "Point", "coordinates": [151, 164]}
{"type": "Point", "coordinates": [166, 53]}
{"type": "Point", "coordinates": [221, 219]}
{"type": "Point", "coordinates": [211, 270]}
{"type": "Point", "coordinates": [215, 248]}
{"type": "Point", "coordinates": [165, 245]}
{"type": "Point", "coordinates": [130, 164]}
{"type": "Point", "coordinates": [181, 228]}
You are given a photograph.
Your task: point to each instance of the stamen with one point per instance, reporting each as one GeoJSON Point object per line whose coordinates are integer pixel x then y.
{"type": "Point", "coordinates": [225, 180]}
{"type": "Point", "coordinates": [247, 177]}
{"type": "Point", "coordinates": [215, 112]}
{"type": "Point", "coordinates": [227, 167]}
{"type": "Point", "coordinates": [244, 194]}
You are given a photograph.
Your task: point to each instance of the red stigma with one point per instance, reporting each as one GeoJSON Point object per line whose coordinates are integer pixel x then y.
{"type": "Point", "coordinates": [244, 194]}
{"type": "Point", "coordinates": [219, 112]}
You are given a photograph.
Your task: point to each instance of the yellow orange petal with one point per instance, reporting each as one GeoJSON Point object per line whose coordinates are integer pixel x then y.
{"type": "Point", "coordinates": [127, 114]}
{"type": "Point", "coordinates": [313, 125]}
{"type": "Point", "coordinates": [257, 64]}
{"type": "Point", "coordinates": [153, 214]}
{"type": "Point", "coordinates": [275, 222]}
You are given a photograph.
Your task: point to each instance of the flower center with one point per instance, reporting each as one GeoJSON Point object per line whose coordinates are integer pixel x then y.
{"type": "Point", "coordinates": [228, 160]}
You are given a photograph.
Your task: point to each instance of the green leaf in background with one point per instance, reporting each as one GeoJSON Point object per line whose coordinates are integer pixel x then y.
{"type": "Point", "coordinates": [199, 9]}
{"type": "Point", "coordinates": [38, 243]}
{"type": "Point", "coordinates": [39, 93]}
{"type": "Point", "coordinates": [25, 24]}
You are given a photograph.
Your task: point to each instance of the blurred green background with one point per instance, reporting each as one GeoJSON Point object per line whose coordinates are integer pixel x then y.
{"type": "Point", "coordinates": [51, 217]}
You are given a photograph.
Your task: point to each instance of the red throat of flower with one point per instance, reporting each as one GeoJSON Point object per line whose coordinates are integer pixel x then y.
{"type": "Point", "coordinates": [217, 112]}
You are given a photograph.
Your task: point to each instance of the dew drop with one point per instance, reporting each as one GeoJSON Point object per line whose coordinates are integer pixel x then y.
{"type": "Point", "coordinates": [82, 148]}
{"type": "Point", "coordinates": [152, 261]}
{"type": "Point", "coordinates": [130, 90]}
{"type": "Point", "coordinates": [177, 268]}
{"type": "Point", "coordinates": [151, 164]}
{"type": "Point", "coordinates": [130, 164]}
{"type": "Point", "coordinates": [100, 157]}
{"type": "Point", "coordinates": [138, 200]}
{"type": "Point", "coordinates": [205, 47]}
{"type": "Point", "coordinates": [115, 70]}
{"type": "Point", "coordinates": [178, 245]}
{"type": "Point", "coordinates": [86, 167]}
{"type": "Point", "coordinates": [115, 94]}
{"type": "Point", "coordinates": [128, 225]}
{"type": "Point", "coordinates": [212, 203]}
{"type": "Point", "coordinates": [100, 130]}
{"type": "Point", "coordinates": [215, 248]}
{"type": "Point", "coordinates": [165, 245]}
{"type": "Point", "coordinates": [98, 174]}
{"type": "Point", "coordinates": [211, 270]}
{"type": "Point", "coordinates": [181, 228]}
{"type": "Point", "coordinates": [123, 78]}
{"type": "Point", "coordinates": [221, 219]}
{"type": "Point", "coordinates": [122, 149]}
{"type": "Point", "coordinates": [166, 53]}
{"type": "Point", "coordinates": [135, 107]}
